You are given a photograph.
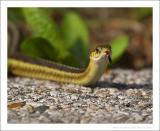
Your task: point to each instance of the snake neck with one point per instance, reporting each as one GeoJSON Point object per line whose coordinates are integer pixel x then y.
{"type": "Point", "coordinates": [93, 72]}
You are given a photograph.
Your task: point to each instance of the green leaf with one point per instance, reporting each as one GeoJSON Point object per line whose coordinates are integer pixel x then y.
{"type": "Point", "coordinates": [119, 45]}
{"type": "Point", "coordinates": [76, 58]}
{"type": "Point", "coordinates": [38, 47]}
{"type": "Point", "coordinates": [76, 36]}
{"type": "Point", "coordinates": [43, 26]}
{"type": "Point", "coordinates": [73, 42]}
{"type": "Point", "coordinates": [74, 28]}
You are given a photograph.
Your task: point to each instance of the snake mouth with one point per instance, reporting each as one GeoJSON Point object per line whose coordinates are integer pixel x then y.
{"type": "Point", "coordinates": [108, 54]}
{"type": "Point", "coordinates": [110, 59]}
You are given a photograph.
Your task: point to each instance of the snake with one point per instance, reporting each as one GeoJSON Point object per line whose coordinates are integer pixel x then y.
{"type": "Point", "coordinates": [99, 58]}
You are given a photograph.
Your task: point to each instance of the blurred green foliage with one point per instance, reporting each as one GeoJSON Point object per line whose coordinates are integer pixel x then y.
{"type": "Point", "coordinates": [37, 46]}
{"type": "Point", "coordinates": [63, 40]}
{"type": "Point", "coordinates": [67, 43]}
{"type": "Point", "coordinates": [119, 45]}
{"type": "Point", "coordinates": [141, 13]}
{"type": "Point", "coordinates": [75, 33]}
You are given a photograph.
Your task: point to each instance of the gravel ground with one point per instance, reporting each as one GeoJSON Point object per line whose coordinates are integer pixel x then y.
{"type": "Point", "coordinates": [122, 96]}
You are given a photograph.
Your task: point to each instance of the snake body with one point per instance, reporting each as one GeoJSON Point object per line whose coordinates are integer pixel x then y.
{"type": "Point", "coordinates": [42, 69]}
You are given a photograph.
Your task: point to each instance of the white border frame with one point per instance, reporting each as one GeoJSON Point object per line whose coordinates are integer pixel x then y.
{"type": "Point", "coordinates": [156, 92]}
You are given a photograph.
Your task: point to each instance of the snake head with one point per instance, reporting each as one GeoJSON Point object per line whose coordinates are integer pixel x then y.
{"type": "Point", "coordinates": [102, 53]}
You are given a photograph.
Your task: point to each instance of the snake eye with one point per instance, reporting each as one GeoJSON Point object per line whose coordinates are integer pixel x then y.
{"type": "Point", "coordinates": [97, 50]}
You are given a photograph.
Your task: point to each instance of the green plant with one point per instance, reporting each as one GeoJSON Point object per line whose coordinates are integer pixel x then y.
{"type": "Point", "coordinates": [37, 46]}
{"type": "Point", "coordinates": [119, 46]}
{"type": "Point", "coordinates": [71, 38]}
{"type": "Point", "coordinates": [67, 43]}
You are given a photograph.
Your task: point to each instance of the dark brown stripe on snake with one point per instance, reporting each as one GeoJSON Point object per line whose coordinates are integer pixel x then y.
{"type": "Point", "coordinates": [43, 62]}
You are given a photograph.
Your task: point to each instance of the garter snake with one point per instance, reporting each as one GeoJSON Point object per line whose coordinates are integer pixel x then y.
{"type": "Point", "coordinates": [42, 69]}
